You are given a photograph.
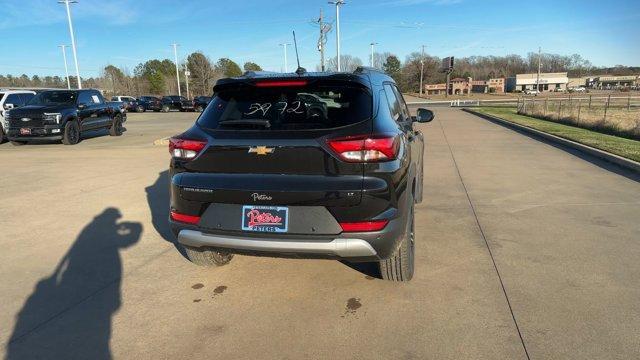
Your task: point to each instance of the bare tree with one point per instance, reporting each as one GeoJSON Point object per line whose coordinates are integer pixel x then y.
{"type": "Point", "coordinates": [348, 63]}
{"type": "Point", "coordinates": [202, 73]}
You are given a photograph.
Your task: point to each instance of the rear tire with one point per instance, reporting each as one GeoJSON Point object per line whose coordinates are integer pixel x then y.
{"type": "Point", "coordinates": [116, 126]}
{"type": "Point", "coordinates": [207, 257]}
{"type": "Point", "coordinates": [400, 266]}
{"type": "Point", "coordinates": [71, 134]}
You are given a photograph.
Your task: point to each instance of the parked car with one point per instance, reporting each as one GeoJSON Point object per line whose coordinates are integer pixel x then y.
{"type": "Point", "coordinates": [579, 89]}
{"type": "Point", "coordinates": [11, 99]}
{"type": "Point", "coordinates": [175, 102]}
{"type": "Point", "coordinates": [259, 174]}
{"type": "Point", "coordinates": [531, 92]}
{"type": "Point", "coordinates": [63, 115]}
{"type": "Point", "coordinates": [130, 103]}
{"type": "Point", "coordinates": [147, 102]}
{"type": "Point", "coordinates": [201, 102]}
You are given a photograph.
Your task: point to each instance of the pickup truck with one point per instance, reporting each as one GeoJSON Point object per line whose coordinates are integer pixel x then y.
{"type": "Point", "coordinates": [10, 99]}
{"type": "Point", "coordinates": [63, 115]}
{"type": "Point", "coordinates": [174, 102]}
{"type": "Point", "coordinates": [147, 102]}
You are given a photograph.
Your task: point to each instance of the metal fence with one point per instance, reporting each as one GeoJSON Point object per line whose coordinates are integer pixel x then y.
{"type": "Point", "coordinates": [619, 115]}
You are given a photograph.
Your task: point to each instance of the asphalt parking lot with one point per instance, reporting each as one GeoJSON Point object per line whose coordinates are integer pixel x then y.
{"type": "Point", "coordinates": [524, 250]}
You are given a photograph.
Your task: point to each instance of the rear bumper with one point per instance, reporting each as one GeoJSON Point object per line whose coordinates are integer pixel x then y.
{"type": "Point", "coordinates": [339, 247]}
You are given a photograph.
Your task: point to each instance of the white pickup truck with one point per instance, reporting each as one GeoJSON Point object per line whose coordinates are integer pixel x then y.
{"type": "Point", "coordinates": [10, 99]}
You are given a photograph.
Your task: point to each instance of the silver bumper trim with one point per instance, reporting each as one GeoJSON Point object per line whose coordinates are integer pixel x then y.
{"type": "Point", "coordinates": [340, 247]}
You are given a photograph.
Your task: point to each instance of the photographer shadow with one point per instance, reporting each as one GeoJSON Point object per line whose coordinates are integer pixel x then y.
{"type": "Point", "coordinates": [68, 315]}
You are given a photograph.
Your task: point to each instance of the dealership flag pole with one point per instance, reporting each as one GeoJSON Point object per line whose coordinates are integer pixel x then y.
{"type": "Point", "coordinates": [175, 55]}
{"type": "Point", "coordinates": [66, 68]}
{"type": "Point", "coordinates": [73, 39]}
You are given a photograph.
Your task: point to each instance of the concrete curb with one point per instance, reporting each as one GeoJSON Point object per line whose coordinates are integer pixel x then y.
{"type": "Point", "coordinates": [603, 155]}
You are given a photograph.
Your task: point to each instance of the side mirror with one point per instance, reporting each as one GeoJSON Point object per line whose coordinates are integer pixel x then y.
{"type": "Point", "coordinates": [8, 106]}
{"type": "Point", "coordinates": [424, 115]}
{"type": "Point", "coordinates": [82, 106]}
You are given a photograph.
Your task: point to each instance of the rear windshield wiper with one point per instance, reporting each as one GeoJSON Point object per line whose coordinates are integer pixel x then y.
{"type": "Point", "coordinates": [241, 122]}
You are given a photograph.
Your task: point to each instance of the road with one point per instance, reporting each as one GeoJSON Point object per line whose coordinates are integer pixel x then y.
{"type": "Point", "coordinates": [524, 250]}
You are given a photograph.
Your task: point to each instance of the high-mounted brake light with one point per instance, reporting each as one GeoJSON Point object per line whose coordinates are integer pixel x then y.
{"type": "Point", "coordinates": [362, 226]}
{"type": "Point", "coordinates": [184, 148]}
{"type": "Point", "coordinates": [281, 83]}
{"type": "Point", "coordinates": [366, 148]}
{"type": "Point", "coordinates": [184, 218]}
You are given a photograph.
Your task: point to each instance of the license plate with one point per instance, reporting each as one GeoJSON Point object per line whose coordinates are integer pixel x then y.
{"type": "Point", "coordinates": [265, 218]}
{"type": "Point", "coordinates": [24, 131]}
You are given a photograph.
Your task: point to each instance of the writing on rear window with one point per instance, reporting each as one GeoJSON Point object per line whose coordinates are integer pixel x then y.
{"type": "Point", "coordinates": [287, 108]}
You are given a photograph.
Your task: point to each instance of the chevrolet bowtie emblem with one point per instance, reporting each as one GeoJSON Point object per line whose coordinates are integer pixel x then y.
{"type": "Point", "coordinates": [260, 150]}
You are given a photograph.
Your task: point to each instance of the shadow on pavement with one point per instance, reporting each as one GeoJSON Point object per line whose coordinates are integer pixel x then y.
{"type": "Point", "coordinates": [158, 201]}
{"type": "Point", "coordinates": [87, 280]}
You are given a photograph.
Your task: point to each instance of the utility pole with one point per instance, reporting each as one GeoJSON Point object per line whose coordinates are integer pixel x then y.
{"type": "Point", "coordinates": [372, 45]}
{"type": "Point", "coordinates": [286, 65]}
{"type": "Point", "coordinates": [66, 68]}
{"type": "Point", "coordinates": [539, 65]}
{"type": "Point", "coordinates": [175, 56]}
{"type": "Point", "coordinates": [324, 29]}
{"type": "Point", "coordinates": [187, 73]}
{"type": "Point", "coordinates": [421, 69]}
{"type": "Point", "coordinates": [73, 39]}
{"type": "Point", "coordinates": [337, 3]}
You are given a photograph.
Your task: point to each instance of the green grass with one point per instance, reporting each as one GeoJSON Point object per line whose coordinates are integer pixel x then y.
{"type": "Point", "coordinates": [627, 148]}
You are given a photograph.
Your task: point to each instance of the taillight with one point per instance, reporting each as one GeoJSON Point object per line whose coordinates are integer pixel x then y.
{"type": "Point", "coordinates": [374, 225]}
{"type": "Point", "coordinates": [184, 218]}
{"type": "Point", "coordinates": [184, 148]}
{"type": "Point", "coordinates": [366, 148]}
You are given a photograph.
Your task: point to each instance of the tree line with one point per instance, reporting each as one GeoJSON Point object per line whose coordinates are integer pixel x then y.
{"type": "Point", "coordinates": [158, 77]}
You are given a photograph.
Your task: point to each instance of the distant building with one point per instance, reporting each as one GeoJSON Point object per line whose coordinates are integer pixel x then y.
{"type": "Point", "coordinates": [547, 82]}
{"type": "Point", "coordinates": [462, 86]}
{"type": "Point", "coordinates": [583, 81]}
{"type": "Point", "coordinates": [615, 82]}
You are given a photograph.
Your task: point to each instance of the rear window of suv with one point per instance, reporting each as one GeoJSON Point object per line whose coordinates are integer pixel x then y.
{"type": "Point", "coordinates": [309, 107]}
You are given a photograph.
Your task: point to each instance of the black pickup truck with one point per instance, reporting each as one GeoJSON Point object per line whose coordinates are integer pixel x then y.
{"type": "Point", "coordinates": [63, 115]}
{"type": "Point", "coordinates": [175, 102]}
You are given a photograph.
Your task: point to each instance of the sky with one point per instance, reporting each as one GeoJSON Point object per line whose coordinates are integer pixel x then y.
{"type": "Point", "coordinates": [127, 32]}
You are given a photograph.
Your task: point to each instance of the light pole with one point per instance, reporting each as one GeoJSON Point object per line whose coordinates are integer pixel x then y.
{"type": "Point", "coordinates": [421, 69]}
{"type": "Point", "coordinates": [73, 39]}
{"type": "Point", "coordinates": [539, 65]}
{"type": "Point", "coordinates": [286, 65]}
{"type": "Point", "coordinates": [372, 45]}
{"type": "Point", "coordinates": [66, 68]}
{"type": "Point", "coordinates": [175, 56]}
{"type": "Point", "coordinates": [187, 73]}
{"type": "Point", "coordinates": [337, 3]}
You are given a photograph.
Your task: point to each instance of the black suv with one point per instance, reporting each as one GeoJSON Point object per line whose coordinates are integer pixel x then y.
{"type": "Point", "coordinates": [175, 102]}
{"type": "Point", "coordinates": [314, 165]}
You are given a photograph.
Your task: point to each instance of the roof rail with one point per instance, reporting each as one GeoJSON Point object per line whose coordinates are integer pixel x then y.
{"type": "Point", "coordinates": [366, 70]}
